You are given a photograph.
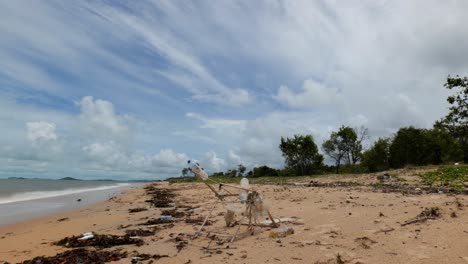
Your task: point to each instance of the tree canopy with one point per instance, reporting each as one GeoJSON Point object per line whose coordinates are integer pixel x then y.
{"type": "Point", "coordinates": [456, 121]}
{"type": "Point", "coordinates": [344, 145]}
{"type": "Point", "coordinates": [377, 157]}
{"type": "Point", "coordinates": [301, 154]}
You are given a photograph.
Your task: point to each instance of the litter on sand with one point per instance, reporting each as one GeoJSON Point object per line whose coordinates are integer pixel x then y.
{"type": "Point", "coordinates": [86, 235]}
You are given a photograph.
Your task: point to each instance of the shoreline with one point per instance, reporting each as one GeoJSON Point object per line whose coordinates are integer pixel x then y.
{"type": "Point", "coordinates": [355, 225]}
{"type": "Point", "coordinates": [21, 211]}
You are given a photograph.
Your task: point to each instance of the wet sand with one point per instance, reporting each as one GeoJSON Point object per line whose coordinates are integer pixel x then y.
{"type": "Point", "coordinates": [341, 224]}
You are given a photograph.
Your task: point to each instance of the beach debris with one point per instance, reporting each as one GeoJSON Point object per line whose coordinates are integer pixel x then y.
{"type": "Point", "coordinates": [365, 242]}
{"type": "Point", "coordinates": [173, 213]}
{"type": "Point", "coordinates": [181, 242]}
{"type": "Point", "coordinates": [428, 213]}
{"type": "Point", "coordinates": [163, 219]}
{"type": "Point", "coordinates": [290, 220]}
{"type": "Point", "coordinates": [194, 210]}
{"type": "Point", "coordinates": [166, 218]}
{"type": "Point", "coordinates": [244, 183]}
{"type": "Point", "coordinates": [230, 218]}
{"type": "Point", "coordinates": [86, 235]}
{"type": "Point", "coordinates": [198, 221]}
{"type": "Point", "coordinates": [385, 230]}
{"type": "Point", "coordinates": [199, 171]}
{"type": "Point", "coordinates": [63, 219]}
{"type": "Point", "coordinates": [339, 259]}
{"type": "Point", "coordinates": [282, 232]}
{"type": "Point", "coordinates": [255, 209]}
{"type": "Point", "coordinates": [384, 177]}
{"type": "Point", "coordinates": [139, 232]}
{"type": "Point", "coordinates": [98, 241]}
{"type": "Point", "coordinates": [136, 210]}
{"type": "Point", "coordinates": [80, 255]}
{"type": "Point", "coordinates": [143, 257]}
{"type": "Point", "coordinates": [160, 197]}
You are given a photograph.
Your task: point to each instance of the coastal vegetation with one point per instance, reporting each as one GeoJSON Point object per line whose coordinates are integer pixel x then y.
{"type": "Point", "coordinates": [343, 152]}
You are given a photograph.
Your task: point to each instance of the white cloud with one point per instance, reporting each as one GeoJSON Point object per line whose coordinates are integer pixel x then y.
{"type": "Point", "coordinates": [108, 153]}
{"type": "Point", "coordinates": [99, 119]}
{"type": "Point", "coordinates": [212, 163]}
{"type": "Point", "coordinates": [170, 158]}
{"type": "Point", "coordinates": [40, 131]}
{"type": "Point", "coordinates": [313, 94]}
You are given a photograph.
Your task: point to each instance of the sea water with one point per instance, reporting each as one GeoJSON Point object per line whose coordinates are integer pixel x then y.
{"type": "Point", "coordinates": [22, 199]}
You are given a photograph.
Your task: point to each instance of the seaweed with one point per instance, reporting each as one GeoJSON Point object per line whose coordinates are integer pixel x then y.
{"type": "Point", "coordinates": [79, 255]}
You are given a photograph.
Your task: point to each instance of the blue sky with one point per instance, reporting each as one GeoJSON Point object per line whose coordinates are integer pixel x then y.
{"type": "Point", "coordinates": [132, 89]}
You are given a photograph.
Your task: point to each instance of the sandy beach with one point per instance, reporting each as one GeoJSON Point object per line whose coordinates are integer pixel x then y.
{"type": "Point", "coordinates": [337, 219]}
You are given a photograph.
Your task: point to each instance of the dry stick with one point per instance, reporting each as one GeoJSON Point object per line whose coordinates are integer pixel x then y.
{"type": "Point", "coordinates": [418, 220]}
{"type": "Point", "coordinates": [272, 220]}
{"type": "Point", "coordinates": [237, 231]}
{"type": "Point", "coordinates": [206, 218]}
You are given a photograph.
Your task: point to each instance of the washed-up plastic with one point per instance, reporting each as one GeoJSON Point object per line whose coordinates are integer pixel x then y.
{"type": "Point", "coordinates": [282, 232]}
{"type": "Point", "coordinates": [244, 183]}
{"type": "Point", "coordinates": [86, 235]}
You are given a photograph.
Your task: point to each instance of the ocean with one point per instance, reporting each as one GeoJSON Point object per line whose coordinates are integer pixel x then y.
{"type": "Point", "coordinates": [22, 199]}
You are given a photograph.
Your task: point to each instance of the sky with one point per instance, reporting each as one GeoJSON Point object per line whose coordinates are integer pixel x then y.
{"type": "Point", "coordinates": [134, 89]}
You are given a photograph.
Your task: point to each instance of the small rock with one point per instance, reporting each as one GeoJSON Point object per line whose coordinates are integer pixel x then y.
{"type": "Point", "coordinates": [244, 256]}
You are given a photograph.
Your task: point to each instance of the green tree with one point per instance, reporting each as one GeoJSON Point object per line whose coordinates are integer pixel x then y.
{"type": "Point", "coordinates": [456, 121]}
{"type": "Point", "coordinates": [231, 173]}
{"type": "Point", "coordinates": [344, 145]}
{"type": "Point", "coordinates": [241, 169]}
{"type": "Point", "coordinates": [414, 146]}
{"type": "Point", "coordinates": [301, 154]}
{"type": "Point", "coordinates": [362, 134]}
{"type": "Point", "coordinates": [450, 148]}
{"type": "Point", "coordinates": [263, 171]}
{"type": "Point", "coordinates": [185, 171]}
{"type": "Point", "coordinates": [377, 157]}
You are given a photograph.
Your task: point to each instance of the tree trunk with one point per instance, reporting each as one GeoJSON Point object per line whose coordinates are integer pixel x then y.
{"type": "Point", "coordinates": [465, 153]}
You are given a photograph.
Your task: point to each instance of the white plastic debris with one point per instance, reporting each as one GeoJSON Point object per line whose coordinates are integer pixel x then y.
{"type": "Point", "coordinates": [244, 183]}
{"type": "Point", "coordinates": [86, 235]}
{"type": "Point", "coordinates": [195, 210]}
{"type": "Point", "coordinates": [294, 221]}
{"type": "Point", "coordinates": [198, 171]}
{"type": "Point", "coordinates": [167, 218]}
{"type": "Point", "coordinates": [282, 232]}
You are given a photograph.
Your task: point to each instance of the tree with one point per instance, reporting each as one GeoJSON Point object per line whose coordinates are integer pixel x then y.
{"type": "Point", "coordinates": [344, 145]}
{"type": "Point", "coordinates": [414, 146]}
{"type": "Point", "coordinates": [301, 154]}
{"type": "Point", "coordinates": [263, 171]}
{"type": "Point", "coordinates": [231, 173]}
{"type": "Point", "coordinates": [456, 121]}
{"type": "Point", "coordinates": [450, 148]}
{"type": "Point", "coordinates": [185, 171]}
{"type": "Point", "coordinates": [241, 169]}
{"type": "Point", "coordinates": [377, 157]}
{"type": "Point", "coordinates": [362, 134]}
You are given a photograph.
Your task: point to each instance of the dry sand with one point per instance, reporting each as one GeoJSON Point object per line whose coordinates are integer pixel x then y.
{"type": "Point", "coordinates": [352, 224]}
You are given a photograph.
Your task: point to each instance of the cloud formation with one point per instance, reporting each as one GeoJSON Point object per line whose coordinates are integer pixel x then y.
{"type": "Point", "coordinates": [132, 89]}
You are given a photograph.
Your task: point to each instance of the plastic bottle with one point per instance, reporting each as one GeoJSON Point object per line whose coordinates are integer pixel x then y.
{"type": "Point", "coordinates": [199, 171]}
{"type": "Point", "coordinates": [244, 183]}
